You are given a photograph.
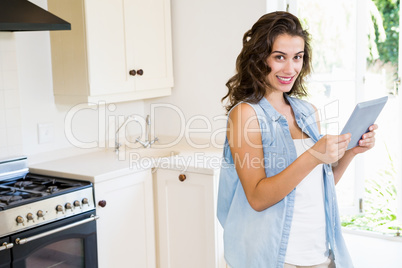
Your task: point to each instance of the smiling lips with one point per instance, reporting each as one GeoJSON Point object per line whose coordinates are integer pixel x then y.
{"type": "Point", "coordinates": [285, 80]}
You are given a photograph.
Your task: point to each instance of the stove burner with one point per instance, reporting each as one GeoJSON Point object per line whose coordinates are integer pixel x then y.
{"type": "Point", "coordinates": [4, 190]}
{"type": "Point", "coordinates": [9, 199]}
{"type": "Point", "coordinates": [42, 180]}
{"type": "Point", "coordinates": [22, 184]}
{"type": "Point", "coordinates": [34, 187]}
{"type": "Point", "coordinates": [43, 184]}
{"type": "Point", "coordinates": [10, 195]}
{"type": "Point", "coordinates": [52, 189]}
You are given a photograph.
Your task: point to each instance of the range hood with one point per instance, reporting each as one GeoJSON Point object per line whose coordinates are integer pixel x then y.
{"type": "Point", "coordinates": [22, 15]}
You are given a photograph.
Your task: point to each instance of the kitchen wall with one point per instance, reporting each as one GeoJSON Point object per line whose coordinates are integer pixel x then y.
{"type": "Point", "coordinates": [206, 40]}
{"type": "Point", "coordinates": [10, 112]}
{"type": "Point", "coordinates": [207, 37]}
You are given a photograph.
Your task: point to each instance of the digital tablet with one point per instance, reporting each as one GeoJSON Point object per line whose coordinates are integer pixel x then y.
{"type": "Point", "coordinates": [363, 116]}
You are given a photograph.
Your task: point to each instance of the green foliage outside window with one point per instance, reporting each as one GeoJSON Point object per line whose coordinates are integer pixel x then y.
{"type": "Point", "coordinates": [387, 46]}
{"type": "Point", "coordinates": [383, 39]}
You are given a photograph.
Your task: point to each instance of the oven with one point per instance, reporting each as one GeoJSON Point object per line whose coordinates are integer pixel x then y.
{"type": "Point", "coordinates": [45, 221]}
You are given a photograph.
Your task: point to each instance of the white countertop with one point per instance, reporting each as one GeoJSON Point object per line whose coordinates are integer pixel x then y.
{"type": "Point", "coordinates": [106, 164]}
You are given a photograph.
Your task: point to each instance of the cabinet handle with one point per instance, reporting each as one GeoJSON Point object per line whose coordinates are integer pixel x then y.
{"type": "Point", "coordinates": [182, 177]}
{"type": "Point", "coordinates": [132, 72]}
{"type": "Point", "coordinates": [140, 72]}
{"type": "Point", "coordinates": [102, 203]}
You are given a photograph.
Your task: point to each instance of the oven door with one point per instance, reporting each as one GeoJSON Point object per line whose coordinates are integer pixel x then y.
{"type": "Point", "coordinates": [66, 243]}
{"type": "Point", "coordinates": [5, 252]}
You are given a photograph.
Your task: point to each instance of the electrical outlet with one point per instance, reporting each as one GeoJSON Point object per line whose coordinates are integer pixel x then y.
{"type": "Point", "coordinates": [45, 133]}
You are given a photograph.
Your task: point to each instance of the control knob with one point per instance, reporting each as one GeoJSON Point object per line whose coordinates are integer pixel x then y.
{"type": "Point", "coordinates": [19, 220]}
{"type": "Point", "coordinates": [85, 201]}
{"type": "Point", "coordinates": [77, 203]}
{"type": "Point", "coordinates": [68, 206]}
{"type": "Point", "coordinates": [59, 208]}
{"type": "Point", "coordinates": [40, 214]}
{"type": "Point", "coordinates": [30, 217]}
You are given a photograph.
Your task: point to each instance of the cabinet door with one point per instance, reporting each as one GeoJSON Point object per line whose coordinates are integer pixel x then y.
{"type": "Point", "coordinates": [126, 234]}
{"type": "Point", "coordinates": [149, 44]}
{"type": "Point", "coordinates": [90, 59]}
{"type": "Point", "coordinates": [129, 35]}
{"type": "Point", "coordinates": [189, 234]}
{"type": "Point", "coordinates": [106, 47]}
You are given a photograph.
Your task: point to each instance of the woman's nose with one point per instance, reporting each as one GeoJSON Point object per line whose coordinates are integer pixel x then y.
{"type": "Point", "coordinates": [289, 67]}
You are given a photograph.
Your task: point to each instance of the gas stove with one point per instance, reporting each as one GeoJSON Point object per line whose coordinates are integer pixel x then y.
{"type": "Point", "coordinates": [45, 221]}
{"type": "Point", "coordinates": [29, 200]}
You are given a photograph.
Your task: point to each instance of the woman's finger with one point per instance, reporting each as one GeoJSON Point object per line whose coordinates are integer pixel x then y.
{"type": "Point", "coordinates": [373, 127]}
{"type": "Point", "coordinates": [368, 135]}
{"type": "Point", "coordinates": [367, 142]}
{"type": "Point", "coordinates": [344, 137]}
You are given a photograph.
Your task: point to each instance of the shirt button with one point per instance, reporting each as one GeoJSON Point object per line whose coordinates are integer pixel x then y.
{"type": "Point", "coordinates": [330, 173]}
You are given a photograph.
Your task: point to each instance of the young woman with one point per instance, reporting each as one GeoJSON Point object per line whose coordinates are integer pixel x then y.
{"type": "Point", "coordinates": [277, 201]}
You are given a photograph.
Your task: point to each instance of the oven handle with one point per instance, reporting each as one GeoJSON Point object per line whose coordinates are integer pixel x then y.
{"type": "Point", "coordinates": [6, 246]}
{"type": "Point", "coordinates": [22, 241]}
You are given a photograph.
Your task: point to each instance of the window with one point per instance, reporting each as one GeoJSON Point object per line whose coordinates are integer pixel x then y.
{"type": "Point", "coordinates": [355, 58]}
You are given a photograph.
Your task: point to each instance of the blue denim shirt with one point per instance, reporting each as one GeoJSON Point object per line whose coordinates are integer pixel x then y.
{"type": "Point", "coordinates": [259, 239]}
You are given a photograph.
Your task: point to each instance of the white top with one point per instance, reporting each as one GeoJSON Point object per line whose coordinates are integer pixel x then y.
{"type": "Point", "coordinates": [307, 240]}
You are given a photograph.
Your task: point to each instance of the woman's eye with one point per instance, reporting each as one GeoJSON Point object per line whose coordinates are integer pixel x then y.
{"type": "Point", "coordinates": [280, 57]}
{"type": "Point", "coordinates": [299, 57]}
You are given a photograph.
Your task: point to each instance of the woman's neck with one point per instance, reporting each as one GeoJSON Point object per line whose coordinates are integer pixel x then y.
{"type": "Point", "coordinates": [277, 100]}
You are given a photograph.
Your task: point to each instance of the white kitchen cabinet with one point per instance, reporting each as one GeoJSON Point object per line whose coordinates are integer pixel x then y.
{"type": "Point", "coordinates": [125, 229]}
{"type": "Point", "coordinates": [117, 50]}
{"type": "Point", "coordinates": [188, 232]}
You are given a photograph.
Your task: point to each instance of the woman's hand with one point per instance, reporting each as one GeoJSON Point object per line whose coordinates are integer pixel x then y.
{"type": "Point", "coordinates": [330, 148]}
{"type": "Point", "coordinates": [366, 142]}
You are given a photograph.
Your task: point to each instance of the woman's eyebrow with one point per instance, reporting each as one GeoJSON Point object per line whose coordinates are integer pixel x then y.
{"type": "Point", "coordinates": [280, 52]}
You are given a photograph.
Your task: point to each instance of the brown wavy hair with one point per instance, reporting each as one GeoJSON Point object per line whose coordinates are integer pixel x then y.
{"type": "Point", "coordinates": [250, 82]}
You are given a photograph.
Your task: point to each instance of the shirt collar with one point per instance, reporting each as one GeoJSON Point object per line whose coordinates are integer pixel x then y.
{"type": "Point", "coordinates": [275, 115]}
{"type": "Point", "coordinates": [299, 113]}
{"type": "Point", "coordinates": [269, 109]}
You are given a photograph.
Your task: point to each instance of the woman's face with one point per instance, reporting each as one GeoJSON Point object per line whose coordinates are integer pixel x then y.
{"type": "Point", "coordinates": [285, 61]}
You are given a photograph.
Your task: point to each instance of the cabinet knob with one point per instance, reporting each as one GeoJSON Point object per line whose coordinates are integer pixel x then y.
{"type": "Point", "coordinates": [102, 203]}
{"type": "Point", "coordinates": [132, 72]}
{"type": "Point", "coordinates": [140, 72]}
{"type": "Point", "coordinates": [182, 177]}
